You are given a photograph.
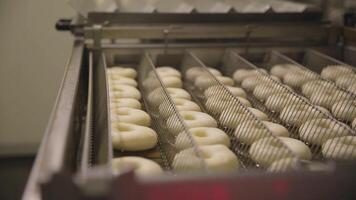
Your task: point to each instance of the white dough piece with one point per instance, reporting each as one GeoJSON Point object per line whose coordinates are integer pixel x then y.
{"type": "Point", "coordinates": [142, 167]}
{"type": "Point", "coordinates": [217, 158]}
{"type": "Point", "coordinates": [168, 71]}
{"type": "Point", "coordinates": [217, 104]}
{"type": "Point", "coordinates": [277, 102]}
{"type": "Point", "coordinates": [268, 150]}
{"type": "Point", "coordinates": [332, 72]}
{"type": "Point", "coordinates": [202, 136]}
{"type": "Point", "coordinates": [284, 164]}
{"type": "Point", "coordinates": [263, 91]}
{"type": "Point", "coordinates": [250, 131]}
{"type": "Point", "coordinates": [315, 86]}
{"type": "Point", "coordinates": [345, 110]}
{"type": "Point", "coordinates": [179, 93]}
{"type": "Point", "coordinates": [180, 104]}
{"type": "Point", "coordinates": [281, 70]}
{"type": "Point", "coordinates": [241, 74]}
{"type": "Point", "coordinates": [217, 89]}
{"type": "Point", "coordinates": [317, 131]}
{"type": "Point", "coordinates": [131, 137]}
{"type": "Point", "coordinates": [297, 78]}
{"type": "Point", "coordinates": [346, 80]}
{"type": "Point", "coordinates": [122, 71]}
{"type": "Point", "coordinates": [352, 88]}
{"type": "Point", "coordinates": [251, 82]}
{"type": "Point", "coordinates": [192, 119]}
{"type": "Point", "coordinates": [130, 115]}
{"type": "Point", "coordinates": [232, 117]}
{"type": "Point", "coordinates": [297, 114]}
{"type": "Point", "coordinates": [171, 81]}
{"type": "Point", "coordinates": [121, 80]}
{"type": "Point", "coordinates": [205, 81]}
{"type": "Point", "coordinates": [340, 148]}
{"type": "Point", "coordinates": [192, 73]}
{"type": "Point", "coordinates": [328, 97]}
{"type": "Point", "coordinates": [124, 91]}
{"type": "Point", "coordinates": [125, 103]}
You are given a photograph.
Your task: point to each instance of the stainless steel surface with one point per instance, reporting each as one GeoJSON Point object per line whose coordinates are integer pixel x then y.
{"type": "Point", "coordinates": [58, 148]}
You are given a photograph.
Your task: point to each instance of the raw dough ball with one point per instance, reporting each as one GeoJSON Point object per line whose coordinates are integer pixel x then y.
{"type": "Point", "coordinates": [168, 71]}
{"type": "Point", "coordinates": [125, 103]}
{"type": "Point", "coordinates": [241, 74]}
{"type": "Point", "coordinates": [192, 73]}
{"type": "Point", "coordinates": [124, 91]}
{"type": "Point", "coordinates": [121, 80]}
{"type": "Point", "coordinates": [296, 79]}
{"type": "Point", "coordinates": [282, 69]}
{"type": "Point", "coordinates": [277, 102]}
{"type": "Point", "coordinates": [346, 80]}
{"type": "Point", "coordinates": [297, 114]}
{"type": "Point", "coordinates": [181, 105]}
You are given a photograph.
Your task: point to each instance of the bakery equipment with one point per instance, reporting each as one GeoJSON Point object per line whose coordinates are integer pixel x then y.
{"type": "Point", "coordinates": [74, 160]}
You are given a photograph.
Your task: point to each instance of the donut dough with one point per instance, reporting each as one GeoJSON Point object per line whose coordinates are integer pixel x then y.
{"type": "Point", "coordinates": [277, 102]}
{"type": "Point", "coordinates": [315, 86]}
{"type": "Point", "coordinates": [328, 97]}
{"type": "Point", "coordinates": [263, 91]}
{"type": "Point", "coordinates": [268, 150]}
{"type": "Point", "coordinates": [251, 82]}
{"type": "Point", "coordinates": [205, 81]}
{"type": "Point", "coordinates": [297, 78]}
{"type": "Point", "coordinates": [250, 131]}
{"type": "Point", "coordinates": [142, 167]}
{"type": "Point", "coordinates": [125, 103]}
{"type": "Point", "coordinates": [121, 80]}
{"type": "Point", "coordinates": [192, 119]}
{"type": "Point", "coordinates": [284, 164]}
{"type": "Point", "coordinates": [232, 117]}
{"type": "Point", "coordinates": [241, 74]}
{"type": "Point", "coordinates": [192, 73]}
{"type": "Point", "coordinates": [178, 93]}
{"type": "Point", "coordinates": [122, 71]}
{"type": "Point", "coordinates": [332, 72]}
{"type": "Point", "coordinates": [217, 89]}
{"type": "Point", "coordinates": [124, 91]}
{"type": "Point", "coordinates": [281, 70]}
{"type": "Point", "coordinates": [345, 110]}
{"type": "Point", "coordinates": [217, 104]}
{"type": "Point", "coordinates": [297, 114]}
{"type": "Point", "coordinates": [171, 81]}
{"type": "Point", "coordinates": [202, 136]}
{"type": "Point", "coordinates": [346, 80]}
{"type": "Point", "coordinates": [340, 148]}
{"type": "Point", "coordinates": [131, 137]}
{"type": "Point", "coordinates": [168, 71]}
{"type": "Point", "coordinates": [317, 131]}
{"type": "Point", "coordinates": [217, 158]}
{"type": "Point", "coordinates": [180, 104]}
{"type": "Point", "coordinates": [130, 115]}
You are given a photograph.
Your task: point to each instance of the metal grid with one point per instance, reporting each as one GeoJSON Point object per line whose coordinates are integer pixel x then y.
{"type": "Point", "coordinates": [288, 118]}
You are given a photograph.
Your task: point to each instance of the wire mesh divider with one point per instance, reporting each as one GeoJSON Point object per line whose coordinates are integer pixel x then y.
{"type": "Point", "coordinates": [317, 90]}
{"type": "Point", "coordinates": [287, 114]}
{"type": "Point", "coordinates": [155, 96]}
{"type": "Point", "coordinates": [235, 119]}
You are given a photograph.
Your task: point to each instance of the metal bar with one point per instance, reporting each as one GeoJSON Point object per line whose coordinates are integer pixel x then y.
{"type": "Point", "coordinates": [52, 153]}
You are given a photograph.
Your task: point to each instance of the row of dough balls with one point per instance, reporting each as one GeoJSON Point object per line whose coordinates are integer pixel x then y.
{"type": "Point", "coordinates": [213, 143]}
{"type": "Point", "coordinates": [130, 125]}
{"type": "Point", "coordinates": [248, 132]}
{"type": "Point", "coordinates": [293, 110]}
{"type": "Point", "coordinates": [319, 92]}
{"type": "Point", "coordinates": [342, 75]}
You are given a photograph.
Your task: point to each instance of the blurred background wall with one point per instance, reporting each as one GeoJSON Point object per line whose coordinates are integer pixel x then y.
{"type": "Point", "coordinates": [32, 59]}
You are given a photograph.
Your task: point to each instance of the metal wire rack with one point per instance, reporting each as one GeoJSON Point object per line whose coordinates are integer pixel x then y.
{"type": "Point", "coordinates": [230, 61]}
{"type": "Point", "coordinates": [232, 116]}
